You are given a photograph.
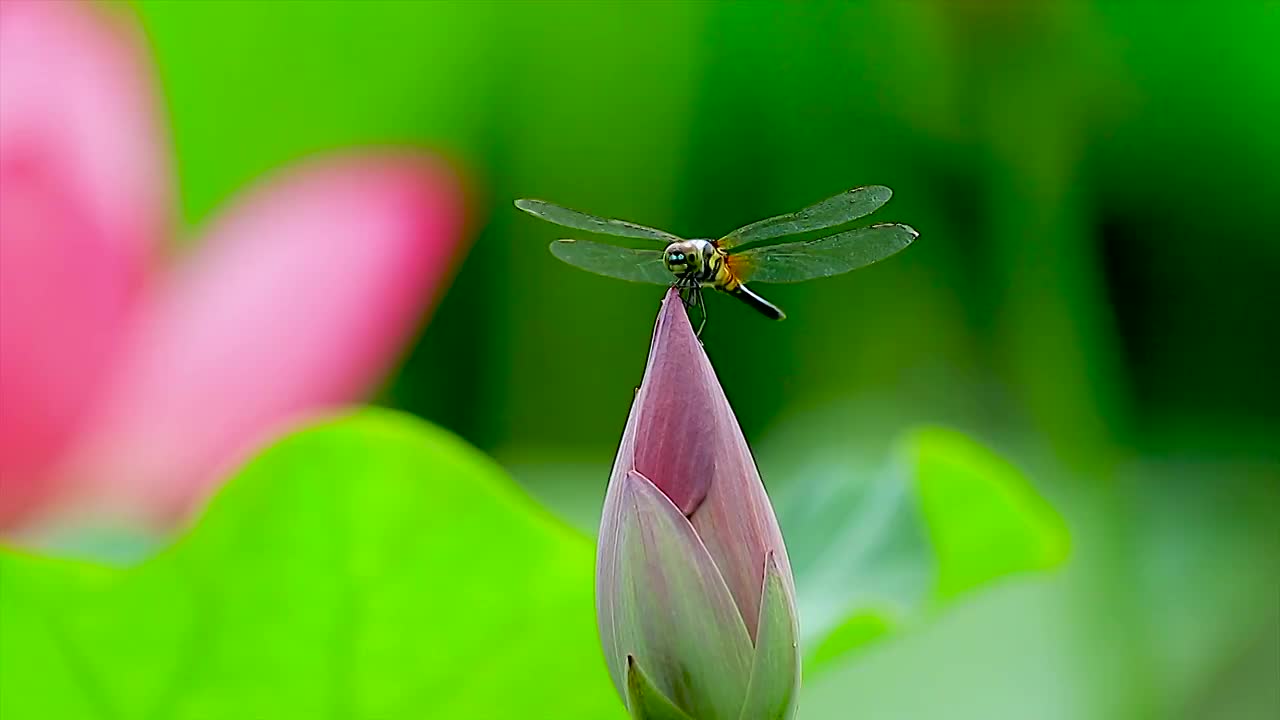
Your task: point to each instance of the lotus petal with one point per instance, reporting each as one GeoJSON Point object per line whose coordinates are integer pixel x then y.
{"type": "Point", "coordinates": [298, 300]}
{"type": "Point", "coordinates": [661, 599]}
{"type": "Point", "coordinates": [775, 674]}
{"type": "Point", "coordinates": [645, 701]}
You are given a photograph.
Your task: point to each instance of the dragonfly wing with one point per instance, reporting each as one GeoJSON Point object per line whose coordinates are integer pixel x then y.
{"type": "Point", "coordinates": [582, 221]}
{"type": "Point", "coordinates": [845, 207]}
{"type": "Point", "coordinates": [823, 257]}
{"type": "Point", "coordinates": [617, 262]}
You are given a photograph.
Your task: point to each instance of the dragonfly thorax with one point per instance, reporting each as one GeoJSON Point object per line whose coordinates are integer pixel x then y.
{"type": "Point", "coordinates": [697, 260]}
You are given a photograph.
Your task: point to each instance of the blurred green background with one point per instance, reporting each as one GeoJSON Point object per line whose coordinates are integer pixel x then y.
{"type": "Point", "coordinates": [1092, 293]}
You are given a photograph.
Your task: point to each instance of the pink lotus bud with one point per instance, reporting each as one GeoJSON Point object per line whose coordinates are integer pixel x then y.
{"type": "Point", "coordinates": [694, 593]}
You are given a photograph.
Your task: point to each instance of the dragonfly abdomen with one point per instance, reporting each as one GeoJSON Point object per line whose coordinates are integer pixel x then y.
{"type": "Point", "coordinates": [748, 296]}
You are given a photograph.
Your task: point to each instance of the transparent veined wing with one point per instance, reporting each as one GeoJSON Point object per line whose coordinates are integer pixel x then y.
{"type": "Point", "coordinates": [618, 262]}
{"type": "Point", "coordinates": [591, 223]}
{"type": "Point", "coordinates": [845, 207]}
{"type": "Point", "coordinates": [823, 257]}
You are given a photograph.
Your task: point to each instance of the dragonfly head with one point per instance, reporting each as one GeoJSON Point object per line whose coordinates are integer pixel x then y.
{"type": "Point", "coordinates": [689, 258]}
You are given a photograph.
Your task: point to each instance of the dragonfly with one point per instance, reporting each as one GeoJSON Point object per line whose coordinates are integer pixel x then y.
{"type": "Point", "coordinates": [767, 251]}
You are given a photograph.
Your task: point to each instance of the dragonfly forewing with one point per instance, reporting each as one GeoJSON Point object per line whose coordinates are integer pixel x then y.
{"type": "Point", "coordinates": [832, 212]}
{"type": "Point", "coordinates": [592, 223]}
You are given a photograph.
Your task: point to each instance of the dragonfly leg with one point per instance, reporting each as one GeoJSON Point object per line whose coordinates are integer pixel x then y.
{"type": "Point", "coordinates": [702, 306]}
{"type": "Point", "coordinates": [684, 291]}
{"type": "Point", "coordinates": [693, 299]}
{"type": "Point", "coordinates": [697, 301]}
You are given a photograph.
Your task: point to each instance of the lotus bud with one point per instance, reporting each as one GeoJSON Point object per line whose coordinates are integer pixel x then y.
{"type": "Point", "coordinates": [694, 594]}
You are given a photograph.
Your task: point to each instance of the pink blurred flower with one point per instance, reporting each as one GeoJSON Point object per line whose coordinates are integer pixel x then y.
{"type": "Point", "coordinates": [129, 382]}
